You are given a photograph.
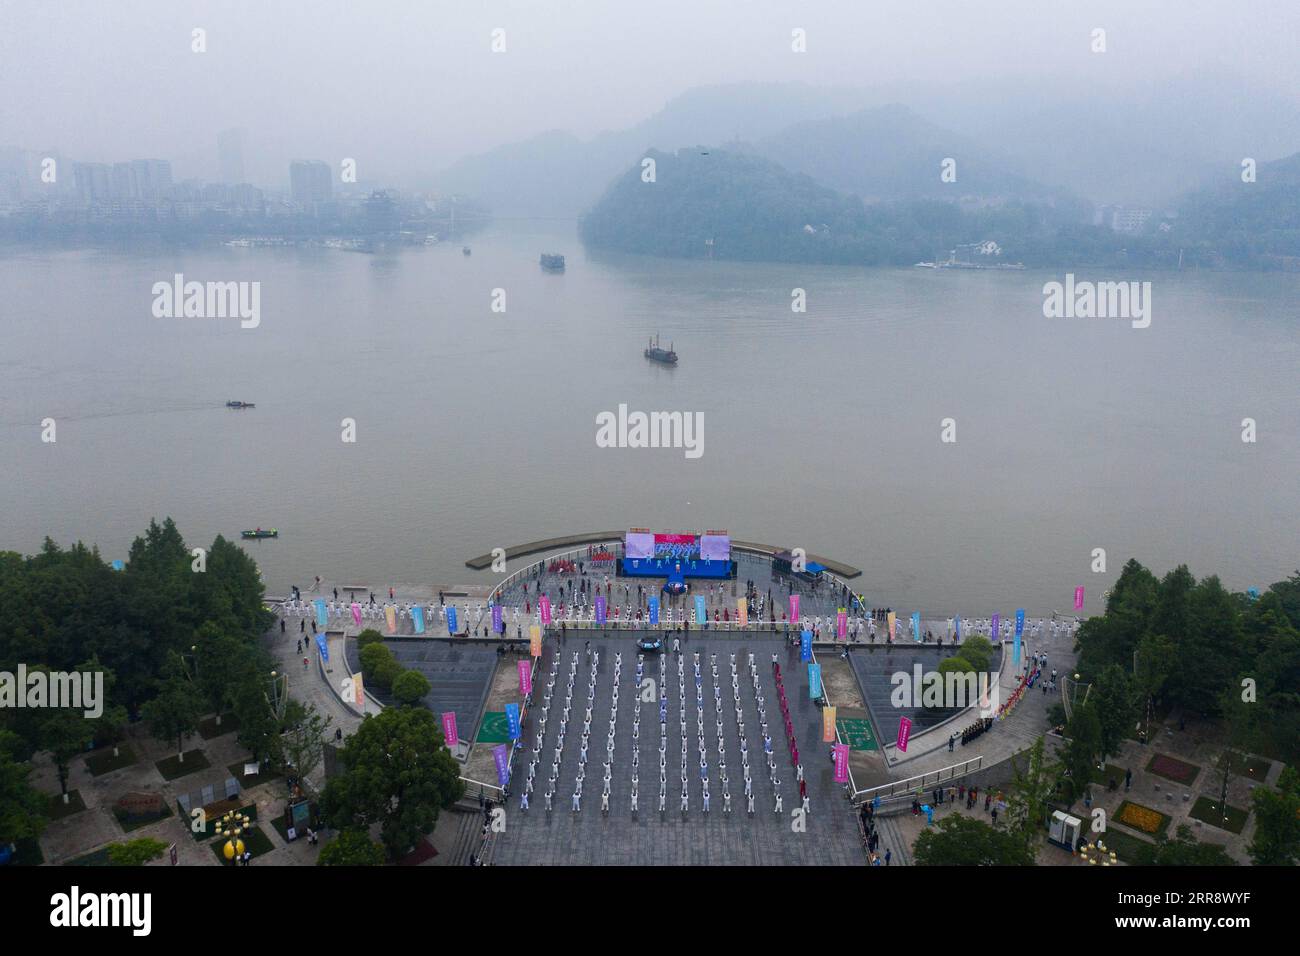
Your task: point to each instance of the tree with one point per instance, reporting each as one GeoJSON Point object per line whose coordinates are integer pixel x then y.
{"type": "Point", "coordinates": [410, 687]}
{"type": "Point", "coordinates": [397, 773]}
{"type": "Point", "coordinates": [136, 852]}
{"type": "Point", "coordinates": [367, 637]}
{"type": "Point", "coordinates": [1183, 850]}
{"type": "Point", "coordinates": [1082, 748]}
{"type": "Point", "coordinates": [22, 806]}
{"type": "Point", "coordinates": [979, 651]}
{"type": "Point", "coordinates": [1113, 695]}
{"type": "Point", "coordinates": [1027, 802]}
{"type": "Point", "coordinates": [351, 848]}
{"type": "Point", "coordinates": [174, 713]}
{"type": "Point", "coordinates": [303, 744]}
{"type": "Point", "coordinates": [379, 665]}
{"type": "Point", "coordinates": [959, 840]}
{"type": "Point", "coordinates": [1277, 822]}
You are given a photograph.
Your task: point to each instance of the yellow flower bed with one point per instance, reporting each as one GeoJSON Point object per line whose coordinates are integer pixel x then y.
{"type": "Point", "coordinates": [1148, 821]}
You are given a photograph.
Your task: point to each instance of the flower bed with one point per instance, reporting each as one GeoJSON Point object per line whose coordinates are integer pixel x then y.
{"type": "Point", "coordinates": [1179, 771]}
{"type": "Point", "coordinates": [1141, 818]}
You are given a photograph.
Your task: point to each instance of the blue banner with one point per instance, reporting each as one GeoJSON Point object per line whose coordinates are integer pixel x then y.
{"type": "Point", "coordinates": [701, 612]}
{"type": "Point", "coordinates": [502, 759]}
{"type": "Point", "coordinates": [323, 647]}
{"type": "Point", "coordinates": [451, 619]}
{"type": "Point", "coordinates": [1020, 629]}
{"type": "Point", "coordinates": [956, 623]}
{"type": "Point", "coordinates": [805, 645]}
{"type": "Point", "coordinates": [417, 618]}
{"type": "Point", "coordinates": [814, 680]}
{"type": "Point", "coordinates": [512, 720]}
{"type": "Point", "coordinates": [916, 625]}
{"type": "Point", "coordinates": [118, 565]}
{"type": "Point", "coordinates": [654, 610]}
{"type": "Point", "coordinates": [322, 618]}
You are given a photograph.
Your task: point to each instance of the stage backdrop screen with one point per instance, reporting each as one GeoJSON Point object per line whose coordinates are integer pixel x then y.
{"type": "Point", "coordinates": [715, 547]}
{"type": "Point", "coordinates": [639, 544]}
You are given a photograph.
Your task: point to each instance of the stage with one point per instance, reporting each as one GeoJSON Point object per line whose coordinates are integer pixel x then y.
{"type": "Point", "coordinates": [668, 567]}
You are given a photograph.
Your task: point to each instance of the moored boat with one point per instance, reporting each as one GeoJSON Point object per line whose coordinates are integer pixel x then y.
{"type": "Point", "coordinates": [656, 354]}
{"type": "Point", "coordinates": [260, 533]}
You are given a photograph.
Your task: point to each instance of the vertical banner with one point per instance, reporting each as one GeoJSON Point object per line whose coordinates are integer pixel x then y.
{"type": "Point", "coordinates": [701, 612]}
{"type": "Point", "coordinates": [390, 616]}
{"type": "Point", "coordinates": [356, 613]}
{"type": "Point", "coordinates": [451, 619]}
{"type": "Point", "coordinates": [916, 625]}
{"type": "Point", "coordinates": [512, 720]}
{"type": "Point", "coordinates": [805, 645]}
{"type": "Point", "coordinates": [449, 729]}
{"type": "Point", "coordinates": [498, 623]}
{"type": "Point", "coordinates": [654, 610]}
{"type": "Point", "coordinates": [794, 609]}
{"type": "Point", "coordinates": [742, 611]}
{"type": "Point", "coordinates": [535, 640]}
{"type": "Point", "coordinates": [814, 680]}
{"type": "Point", "coordinates": [893, 621]}
{"type": "Point", "coordinates": [601, 609]}
{"type": "Point", "coordinates": [525, 678]}
{"type": "Point", "coordinates": [828, 724]}
{"type": "Point", "coordinates": [904, 733]}
{"type": "Point", "coordinates": [544, 605]}
{"type": "Point", "coordinates": [995, 627]}
{"type": "Point", "coordinates": [417, 618]}
{"type": "Point", "coordinates": [1020, 629]}
{"type": "Point", "coordinates": [841, 763]}
{"type": "Point", "coordinates": [956, 626]}
{"type": "Point", "coordinates": [323, 647]}
{"type": "Point", "coordinates": [322, 618]}
{"type": "Point", "coordinates": [359, 692]}
{"type": "Point", "coordinates": [842, 624]}
{"type": "Point", "coordinates": [502, 761]}
{"type": "Point", "coordinates": [1078, 598]}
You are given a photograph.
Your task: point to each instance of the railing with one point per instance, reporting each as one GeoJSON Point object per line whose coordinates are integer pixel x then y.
{"type": "Point", "coordinates": [908, 787]}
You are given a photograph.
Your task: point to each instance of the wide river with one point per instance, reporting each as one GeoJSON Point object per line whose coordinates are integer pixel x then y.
{"type": "Point", "coordinates": [477, 429]}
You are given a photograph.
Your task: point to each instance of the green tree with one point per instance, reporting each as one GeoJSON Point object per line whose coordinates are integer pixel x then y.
{"type": "Point", "coordinates": [174, 713]}
{"type": "Point", "coordinates": [1183, 850]}
{"type": "Point", "coordinates": [397, 773]}
{"type": "Point", "coordinates": [351, 848]}
{"type": "Point", "coordinates": [22, 806]}
{"type": "Point", "coordinates": [1083, 745]}
{"type": "Point", "coordinates": [1277, 822]}
{"type": "Point", "coordinates": [136, 852]}
{"type": "Point", "coordinates": [959, 840]}
{"type": "Point", "coordinates": [1027, 801]}
{"type": "Point", "coordinates": [303, 744]}
{"type": "Point", "coordinates": [1113, 694]}
{"type": "Point", "coordinates": [978, 650]}
{"type": "Point", "coordinates": [379, 665]}
{"type": "Point", "coordinates": [367, 637]}
{"type": "Point", "coordinates": [410, 687]}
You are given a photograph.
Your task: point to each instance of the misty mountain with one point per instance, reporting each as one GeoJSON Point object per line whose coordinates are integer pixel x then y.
{"type": "Point", "coordinates": [890, 153]}
{"type": "Point", "coordinates": [558, 174]}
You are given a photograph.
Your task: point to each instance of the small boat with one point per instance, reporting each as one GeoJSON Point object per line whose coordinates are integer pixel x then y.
{"type": "Point", "coordinates": [260, 533]}
{"type": "Point", "coordinates": [655, 354]}
{"type": "Point", "coordinates": [240, 405]}
{"type": "Point", "coordinates": [552, 263]}
{"type": "Point", "coordinates": [464, 250]}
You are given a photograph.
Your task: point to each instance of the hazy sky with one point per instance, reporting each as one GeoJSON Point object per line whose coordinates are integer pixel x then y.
{"type": "Point", "coordinates": [406, 86]}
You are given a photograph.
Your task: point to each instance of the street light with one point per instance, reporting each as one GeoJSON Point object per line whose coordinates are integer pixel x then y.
{"type": "Point", "coordinates": [232, 825]}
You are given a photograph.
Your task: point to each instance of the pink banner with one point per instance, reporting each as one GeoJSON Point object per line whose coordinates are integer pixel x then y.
{"type": "Point", "coordinates": [794, 608]}
{"type": "Point", "coordinates": [525, 677]}
{"type": "Point", "coordinates": [544, 605]}
{"type": "Point", "coordinates": [449, 728]}
{"type": "Point", "coordinates": [904, 732]}
{"type": "Point", "coordinates": [356, 613]}
{"type": "Point", "coordinates": [841, 763]}
{"type": "Point", "coordinates": [842, 624]}
{"type": "Point", "coordinates": [1078, 598]}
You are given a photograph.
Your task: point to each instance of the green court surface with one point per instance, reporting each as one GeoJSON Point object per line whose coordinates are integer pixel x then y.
{"type": "Point", "coordinates": [494, 729]}
{"type": "Point", "coordinates": [856, 733]}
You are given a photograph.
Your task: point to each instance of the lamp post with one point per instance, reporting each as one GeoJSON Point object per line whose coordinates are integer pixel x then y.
{"type": "Point", "coordinates": [232, 825]}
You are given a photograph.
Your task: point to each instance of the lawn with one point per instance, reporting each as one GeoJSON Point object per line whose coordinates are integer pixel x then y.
{"type": "Point", "coordinates": [215, 811]}
{"type": "Point", "coordinates": [103, 761]}
{"type": "Point", "coordinates": [57, 809]}
{"type": "Point", "coordinates": [1141, 818]}
{"type": "Point", "coordinates": [282, 828]}
{"type": "Point", "coordinates": [1208, 811]}
{"type": "Point", "coordinates": [1125, 845]}
{"type": "Point", "coordinates": [98, 858]}
{"type": "Point", "coordinates": [1246, 765]}
{"type": "Point", "coordinates": [1171, 768]}
{"type": "Point", "coordinates": [208, 727]}
{"type": "Point", "coordinates": [27, 852]}
{"type": "Point", "coordinates": [255, 841]}
{"type": "Point", "coordinates": [173, 768]}
{"type": "Point", "coordinates": [128, 823]}
{"type": "Point", "coordinates": [245, 782]}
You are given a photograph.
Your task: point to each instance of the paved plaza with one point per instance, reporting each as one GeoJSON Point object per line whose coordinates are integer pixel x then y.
{"type": "Point", "coordinates": [674, 836]}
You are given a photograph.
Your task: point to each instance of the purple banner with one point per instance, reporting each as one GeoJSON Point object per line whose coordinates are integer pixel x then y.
{"type": "Point", "coordinates": [841, 763]}
{"type": "Point", "coordinates": [600, 610]}
{"type": "Point", "coordinates": [501, 755]}
{"type": "Point", "coordinates": [525, 677]}
{"type": "Point", "coordinates": [498, 624]}
{"type": "Point", "coordinates": [997, 625]}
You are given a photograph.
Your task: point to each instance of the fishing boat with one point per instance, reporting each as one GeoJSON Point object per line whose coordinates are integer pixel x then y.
{"type": "Point", "coordinates": [464, 250]}
{"type": "Point", "coordinates": [260, 533]}
{"type": "Point", "coordinates": [240, 405]}
{"type": "Point", "coordinates": [656, 354]}
{"type": "Point", "coordinates": [552, 262]}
